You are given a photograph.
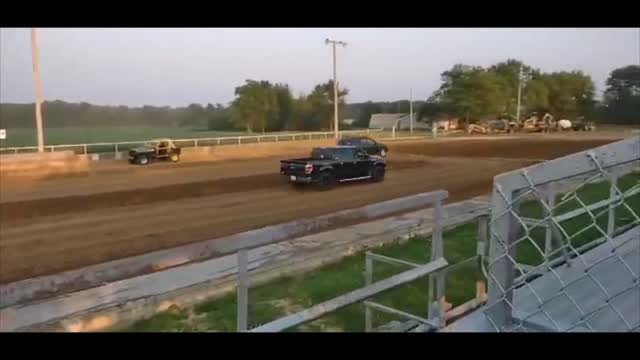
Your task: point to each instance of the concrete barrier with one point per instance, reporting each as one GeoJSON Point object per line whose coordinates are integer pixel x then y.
{"type": "Point", "coordinates": [75, 280]}
{"type": "Point", "coordinates": [38, 165]}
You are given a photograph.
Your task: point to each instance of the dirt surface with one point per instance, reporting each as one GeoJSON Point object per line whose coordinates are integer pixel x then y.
{"type": "Point", "coordinates": [64, 223]}
{"type": "Point", "coordinates": [527, 148]}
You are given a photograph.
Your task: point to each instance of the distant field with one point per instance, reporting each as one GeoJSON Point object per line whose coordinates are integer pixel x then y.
{"type": "Point", "coordinates": [77, 135]}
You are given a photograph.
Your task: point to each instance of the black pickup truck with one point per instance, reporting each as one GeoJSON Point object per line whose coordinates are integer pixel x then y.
{"type": "Point", "coordinates": [328, 165]}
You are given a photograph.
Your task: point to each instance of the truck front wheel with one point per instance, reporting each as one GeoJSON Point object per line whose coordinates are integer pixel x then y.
{"type": "Point", "coordinates": [378, 173]}
{"type": "Point", "coordinates": [174, 157]}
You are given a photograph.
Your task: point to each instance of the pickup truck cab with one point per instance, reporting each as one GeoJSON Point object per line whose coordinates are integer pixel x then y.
{"type": "Point", "coordinates": [328, 165]}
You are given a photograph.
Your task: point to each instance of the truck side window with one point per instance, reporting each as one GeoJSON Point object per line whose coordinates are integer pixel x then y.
{"type": "Point", "coordinates": [346, 154]}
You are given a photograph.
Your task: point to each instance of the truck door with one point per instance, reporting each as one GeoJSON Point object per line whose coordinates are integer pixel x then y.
{"type": "Point", "coordinates": [362, 162]}
{"type": "Point", "coordinates": [345, 164]}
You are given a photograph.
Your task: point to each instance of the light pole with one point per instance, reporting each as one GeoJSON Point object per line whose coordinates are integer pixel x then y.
{"type": "Point", "coordinates": [335, 85]}
{"type": "Point", "coordinates": [519, 93]}
{"type": "Point", "coordinates": [38, 88]}
{"type": "Point", "coordinates": [411, 110]}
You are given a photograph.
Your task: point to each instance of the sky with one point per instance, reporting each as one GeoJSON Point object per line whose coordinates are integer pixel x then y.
{"type": "Point", "coordinates": [176, 67]}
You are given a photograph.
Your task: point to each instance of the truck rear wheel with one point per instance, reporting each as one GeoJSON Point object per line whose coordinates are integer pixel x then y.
{"type": "Point", "coordinates": [143, 160]}
{"type": "Point", "coordinates": [174, 157]}
{"type": "Point", "coordinates": [326, 180]}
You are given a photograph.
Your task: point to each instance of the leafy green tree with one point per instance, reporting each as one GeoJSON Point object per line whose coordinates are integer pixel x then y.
{"type": "Point", "coordinates": [285, 105]}
{"type": "Point", "coordinates": [471, 92]}
{"type": "Point", "coordinates": [571, 94]}
{"type": "Point", "coordinates": [255, 105]}
{"type": "Point", "coordinates": [321, 100]}
{"type": "Point", "coordinates": [509, 73]}
{"type": "Point", "coordinates": [622, 95]}
{"type": "Point", "coordinates": [535, 96]}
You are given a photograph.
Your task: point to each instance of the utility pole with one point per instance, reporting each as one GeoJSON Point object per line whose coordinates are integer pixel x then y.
{"type": "Point", "coordinates": [38, 88]}
{"type": "Point", "coordinates": [335, 86]}
{"type": "Point", "coordinates": [519, 93]}
{"type": "Point", "coordinates": [411, 110]}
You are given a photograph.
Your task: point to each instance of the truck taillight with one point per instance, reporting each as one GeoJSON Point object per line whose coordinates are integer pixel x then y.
{"type": "Point", "coordinates": [308, 169]}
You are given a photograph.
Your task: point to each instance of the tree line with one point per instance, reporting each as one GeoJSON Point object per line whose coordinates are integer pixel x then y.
{"type": "Point", "coordinates": [476, 93]}
{"type": "Point", "coordinates": [57, 114]}
{"type": "Point", "coordinates": [467, 92]}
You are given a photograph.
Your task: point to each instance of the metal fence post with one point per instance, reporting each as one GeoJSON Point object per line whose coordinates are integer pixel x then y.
{"type": "Point", "coordinates": [243, 285]}
{"type": "Point", "coordinates": [239, 139]}
{"type": "Point", "coordinates": [482, 235]}
{"type": "Point", "coordinates": [437, 281]}
{"type": "Point", "coordinates": [195, 142]}
{"type": "Point", "coordinates": [85, 149]}
{"type": "Point", "coordinates": [368, 279]}
{"type": "Point", "coordinates": [481, 252]}
{"type": "Point", "coordinates": [503, 234]}
{"type": "Point", "coordinates": [611, 222]}
{"type": "Point", "coordinates": [550, 198]}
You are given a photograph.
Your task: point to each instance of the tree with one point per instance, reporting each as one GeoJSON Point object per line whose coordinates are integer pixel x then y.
{"type": "Point", "coordinates": [303, 117]}
{"type": "Point", "coordinates": [255, 105]}
{"type": "Point", "coordinates": [195, 116]}
{"type": "Point", "coordinates": [430, 109]}
{"type": "Point", "coordinates": [321, 99]}
{"type": "Point", "coordinates": [285, 105]}
{"type": "Point", "coordinates": [622, 95]}
{"type": "Point", "coordinates": [571, 94]}
{"type": "Point", "coordinates": [536, 96]}
{"type": "Point", "coordinates": [471, 92]}
{"type": "Point", "coordinates": [509, 72]}
{"type": "Point", "coordinates": [219, 118]}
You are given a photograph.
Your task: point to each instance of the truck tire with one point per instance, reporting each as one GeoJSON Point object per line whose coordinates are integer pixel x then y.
{"type": "Point", "coordinates": [378, 173]}
{"type": "Point", "coordinates": [142, 160]}
{"type": "Point", "coordinates": [326, 180]}
{"type": "Point", "coordinates": [174, 157]}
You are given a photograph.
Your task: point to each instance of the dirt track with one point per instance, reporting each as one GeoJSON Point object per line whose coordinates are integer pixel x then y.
{"type": "Point", "coordinates": [123, 213]}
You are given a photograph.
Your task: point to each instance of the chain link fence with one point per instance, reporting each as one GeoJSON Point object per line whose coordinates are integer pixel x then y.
{"type": "Point", "coordinates": [565, 244]}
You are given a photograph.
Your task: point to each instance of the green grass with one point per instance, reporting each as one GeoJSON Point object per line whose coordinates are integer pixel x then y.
{"type": "Point", "coordinates": [78, 135]}
{"type": "Point", "coordinates": [287, 295]}
{"type": "Point", "coordinates": [582, 229]}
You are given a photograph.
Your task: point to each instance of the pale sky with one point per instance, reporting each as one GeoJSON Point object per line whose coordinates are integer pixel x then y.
{"type": "Point", "coordinates": [177, 67]}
